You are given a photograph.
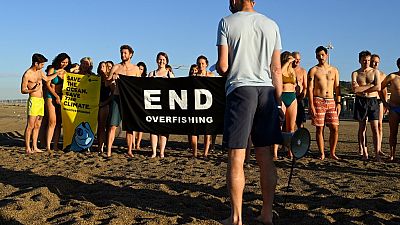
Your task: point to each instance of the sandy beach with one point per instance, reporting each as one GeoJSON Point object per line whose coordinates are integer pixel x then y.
{"type": "Point", "coordinates": [87, 188]}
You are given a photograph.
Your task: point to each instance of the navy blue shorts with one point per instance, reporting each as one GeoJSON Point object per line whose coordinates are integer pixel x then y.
{"type": "Point", "coordinates": [366, 108]}
{"type": "Point", "coordinates": [251, 110]}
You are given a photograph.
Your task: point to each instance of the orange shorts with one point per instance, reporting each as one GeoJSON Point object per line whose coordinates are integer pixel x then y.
{"type": "Point", "coordinates": [325, 110]}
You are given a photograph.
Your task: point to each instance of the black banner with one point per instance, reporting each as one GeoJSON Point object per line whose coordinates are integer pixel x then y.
{"type": "Point", "coordinates": [187, 105]}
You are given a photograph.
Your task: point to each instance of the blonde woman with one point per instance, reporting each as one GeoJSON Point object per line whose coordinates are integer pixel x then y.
{"type": "Point", "coordinates": [288, 97]}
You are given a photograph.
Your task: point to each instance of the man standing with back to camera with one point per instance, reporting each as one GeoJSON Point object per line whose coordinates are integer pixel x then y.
{"type": "Point", "coordinates": [249, 47]}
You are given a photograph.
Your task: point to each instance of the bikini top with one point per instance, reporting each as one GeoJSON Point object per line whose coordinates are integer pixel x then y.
{"type": "Point", "coordinates": [57, 80]}
{"type": "Point", "coordinates": [153, 74]}
{"type": "Point", "coordinates": [289, 77]}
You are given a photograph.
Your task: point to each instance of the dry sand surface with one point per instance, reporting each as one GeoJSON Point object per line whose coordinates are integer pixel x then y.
{"type": "Point", "coordinates": [85, 188]}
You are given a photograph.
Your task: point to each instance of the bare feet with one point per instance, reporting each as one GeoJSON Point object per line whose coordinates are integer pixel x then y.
{"type": "Point", "coordinates": [154, 155]}
{"type": "Point", "coordinates": [322, 157]}
{"type": "Point", "coordinates": [228, 221]}
{"type": "Point", "coordinates": [161, 155]}
{"type": "Point", "coordinates": [381, 153]}
{"type": "Point", "coordinates": [260, 220]}
{"type": "Point", "coordinates": [130, 155]}
{"type": "Point", "coordinates": [334, 157]}
{"type": "Point", "coordinates": [28, 151]}
{"type": "Point", "coordinates": [37, 151]}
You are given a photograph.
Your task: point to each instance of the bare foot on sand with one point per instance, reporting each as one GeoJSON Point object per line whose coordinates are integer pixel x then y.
{"type": "Point", "coordinates": [228, 221]}
{"type": "Point", "coordinates": [130, 155]}
{"type": "Point", "coordinates": [378, 158]}
{"type": "Point", "coordinates": [153, 156]}
{"type": "Point", "coordinates": [322, 157]}
{"type": "Point", "coordinates": [260, 220]}
{"type": "Point", "coordinates": [334, 157]}
{"type": "Point", "coordinates": [37, 151]}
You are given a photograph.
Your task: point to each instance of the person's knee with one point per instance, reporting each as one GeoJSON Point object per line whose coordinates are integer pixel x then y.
{"type": "Point", "coordinates": [334, 129]}
{"type": "Point", "coordinates": [52, 123]}
{"type": "Point", "coordinates": [37, 125]}
{"type": "Point", "coordinates": [30, 125]}
{"type": "Point", "coordinates": [319, 130]}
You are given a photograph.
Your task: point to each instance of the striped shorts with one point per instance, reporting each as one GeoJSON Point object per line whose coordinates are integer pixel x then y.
{"type": "Point", "coordinates": [325, 109]}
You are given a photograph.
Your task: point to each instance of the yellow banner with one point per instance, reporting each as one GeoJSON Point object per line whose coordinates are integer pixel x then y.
{"type": "Point", "coordinates": [79, 110]}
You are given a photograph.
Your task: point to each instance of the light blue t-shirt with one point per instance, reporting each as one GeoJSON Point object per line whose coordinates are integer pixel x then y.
{"type": "Point", "coordinates": [251, 38]}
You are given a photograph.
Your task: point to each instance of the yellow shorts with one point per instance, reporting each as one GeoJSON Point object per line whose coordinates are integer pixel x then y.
{"type": "Point", "coordinates": [35, 106]}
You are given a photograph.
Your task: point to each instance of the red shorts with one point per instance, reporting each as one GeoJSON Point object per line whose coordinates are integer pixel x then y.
{"type": "Point", "coordinates": [325, 112]}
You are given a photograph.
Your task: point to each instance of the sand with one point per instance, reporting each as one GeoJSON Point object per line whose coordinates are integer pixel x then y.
{"type": "Point", "coordinates": [87, 188]}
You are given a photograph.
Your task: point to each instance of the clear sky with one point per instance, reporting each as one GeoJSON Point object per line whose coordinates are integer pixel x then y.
{"type": "Point", "coordinates": [186, 29]}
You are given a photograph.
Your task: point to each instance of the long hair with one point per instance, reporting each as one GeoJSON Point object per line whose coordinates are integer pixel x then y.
{"type": "Point", "coordinates": [59, 58]}
{"type": "Point", "coordinates": [142, 64]}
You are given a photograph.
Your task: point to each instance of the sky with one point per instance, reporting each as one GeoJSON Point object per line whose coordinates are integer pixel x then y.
{"type": "Point", "coordinates": [186, 29]}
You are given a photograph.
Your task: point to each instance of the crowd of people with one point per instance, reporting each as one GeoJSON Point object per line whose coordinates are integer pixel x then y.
{"type": "Point", "coordinates": [320, 85]}
{"type": "Point", "coordinates": [44, 117]}
{"type": "Point", "coordinates": [265, 95]}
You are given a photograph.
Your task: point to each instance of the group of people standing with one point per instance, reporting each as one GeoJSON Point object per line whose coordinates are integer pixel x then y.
{"type": "Point", "coordinates": [321, 86]}
{"type": "Point", "coordinates": [259, 80]}
{"type": "Point", "coordinates": [109, 116]}
{"type": "Point", "coordinates": [265, 86]}
{"type": "Point", "coordinates": [45, 98]}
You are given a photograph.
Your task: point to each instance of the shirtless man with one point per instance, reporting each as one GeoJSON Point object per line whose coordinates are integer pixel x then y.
{"type": "Point", "coordinates": [32, 84]}
{"type": "Point", "coordinates": [125, 68]}
{"type": "Point", "coordinates": [394, 107]}
{"type": "Point", "coordinates": [323, 85]}
{"type": "Point", "coordinates": [375, 61]}
{"type": "Point", "coordinates": [366, 83]}
{"type": "Point", "coordinates": [301, 88]}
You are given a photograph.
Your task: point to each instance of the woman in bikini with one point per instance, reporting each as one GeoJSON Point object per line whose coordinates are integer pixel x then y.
{"type": "Point", "coordinates": [288, 97]}
{"type": "Point", "coordinates": [53, 100]}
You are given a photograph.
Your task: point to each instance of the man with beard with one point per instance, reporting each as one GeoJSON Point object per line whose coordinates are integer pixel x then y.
{"type": "Point", "coordinates": [323, 85]}
{"type": "Point", "coordinates": [125, 68]}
